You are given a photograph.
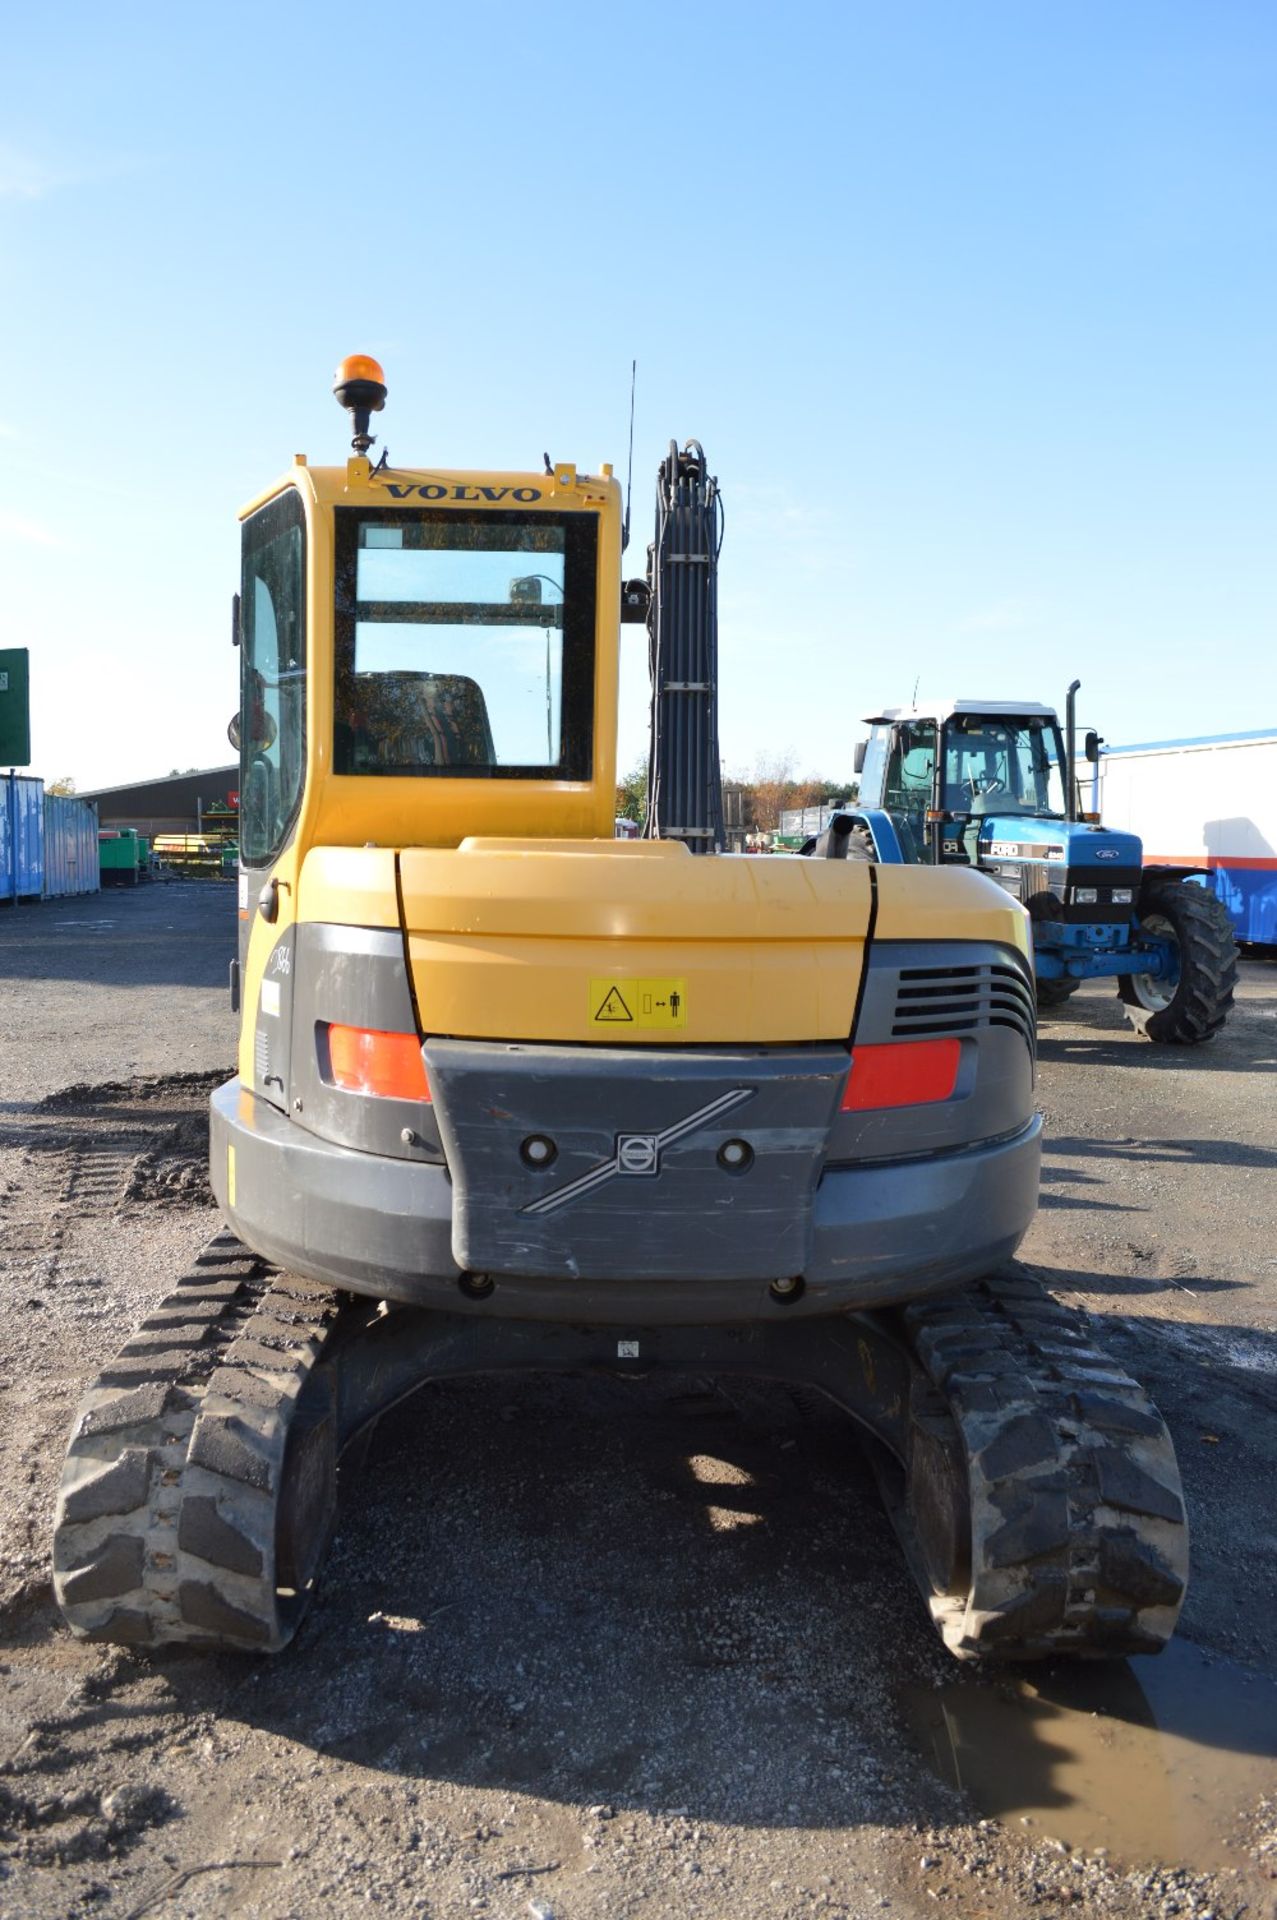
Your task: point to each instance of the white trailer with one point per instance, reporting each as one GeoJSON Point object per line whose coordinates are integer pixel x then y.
{"type": "Point", "coordinates": [1209, 803]}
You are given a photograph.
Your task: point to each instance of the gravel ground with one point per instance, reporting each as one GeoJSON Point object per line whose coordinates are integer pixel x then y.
{"type": "Point", "coordinates": [605, 1648]}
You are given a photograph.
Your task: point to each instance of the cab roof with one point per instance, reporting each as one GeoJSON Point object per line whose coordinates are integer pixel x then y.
{"type": "Point", "coordinates": [940, 710]}
{"type": "Point", "coordinates": [358, 484]}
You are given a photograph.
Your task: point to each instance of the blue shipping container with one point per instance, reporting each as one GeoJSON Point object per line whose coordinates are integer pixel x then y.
{"type": "Point", "coordinates": [70, 846]}
{"type": "Point", "coordinates": [21, 837]}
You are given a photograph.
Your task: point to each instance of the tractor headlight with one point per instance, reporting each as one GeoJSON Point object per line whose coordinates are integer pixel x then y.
{"type": "Point", "coordinates": [1123, 896]}
{"type": "Point", "coordinates": [1085, 896]}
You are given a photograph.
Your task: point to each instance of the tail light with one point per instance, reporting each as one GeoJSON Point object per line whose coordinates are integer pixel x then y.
{"type": "Point", "coordinates": [903, 1073]}
{"type": "Point", "coordinates": [364, 1060]}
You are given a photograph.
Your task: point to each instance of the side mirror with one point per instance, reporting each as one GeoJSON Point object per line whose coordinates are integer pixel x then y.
{"type": "Point", "coordinates": [636, 598]}
{"type": "Point", "coordinates": [269, 732]}
{"type": "Point", "coordinates": [1091, 747]}
{"type": "Point", "coordinates": [858, 758]}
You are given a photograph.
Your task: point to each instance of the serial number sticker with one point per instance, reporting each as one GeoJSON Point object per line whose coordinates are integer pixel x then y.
{"type": "Point", "coordinates": [638, 1003]}
{"type": "Point", "coordinates": [270, 997]}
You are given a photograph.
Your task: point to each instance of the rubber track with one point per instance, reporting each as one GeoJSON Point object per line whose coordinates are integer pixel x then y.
{"type": "Point", "coordinates": [1079, 1538]}
{"type": "Point", "coordinates": [166, 1520]}
{"type": "Point", "coordinates": [165, 1527]}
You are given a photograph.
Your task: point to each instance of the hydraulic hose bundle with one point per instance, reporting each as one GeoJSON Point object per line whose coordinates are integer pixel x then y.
{"type": "Point", "coordinates": [684, 780]}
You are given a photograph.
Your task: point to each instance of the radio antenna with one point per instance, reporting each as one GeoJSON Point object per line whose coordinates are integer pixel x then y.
{"type": "Point", "coordinates": [629, 471]}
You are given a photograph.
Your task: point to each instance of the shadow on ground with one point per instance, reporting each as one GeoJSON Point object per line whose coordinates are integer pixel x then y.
{"type": "Point", "coordinates": [1238, 1053]}
{"type": "Point", "coordinates": [1246, 1044]}
{"type": "Point", "coordinates": [180, 933]}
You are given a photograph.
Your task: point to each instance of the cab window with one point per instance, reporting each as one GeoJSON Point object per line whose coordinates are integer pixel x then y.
{"type": "Point", "coordinates": [272, 718]}
{"type": "Point", "coordinates": [910, 784]}
{"type": "Point", "coordinates": [464, 644]}
{"type": "Point", "coordinates": [1003, 766]}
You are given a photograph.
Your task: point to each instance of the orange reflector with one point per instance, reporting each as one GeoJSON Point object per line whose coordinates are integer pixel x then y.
{"type": "Point", "coordinates": [362, 1060]}
{"type": "Point", "coordinates": [904, 1073]}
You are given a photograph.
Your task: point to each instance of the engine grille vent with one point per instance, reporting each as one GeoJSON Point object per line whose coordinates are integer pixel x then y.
{"type": "Point", "coordinates": [961, 1000]}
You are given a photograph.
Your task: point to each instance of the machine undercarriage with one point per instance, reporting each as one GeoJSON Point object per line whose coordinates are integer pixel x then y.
{"type": "Point", "coordinates": [1031, 1481]}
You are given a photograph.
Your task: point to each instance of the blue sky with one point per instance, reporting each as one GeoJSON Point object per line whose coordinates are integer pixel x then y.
{"type": "Point", "coordinates": [973, 306]}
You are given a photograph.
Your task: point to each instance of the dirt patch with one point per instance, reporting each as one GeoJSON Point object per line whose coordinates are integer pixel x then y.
{"type": "Point", "coordinates": [113, 1097]}
{"type": "Point", "coordinates": [68, 1829]}
{"type": "Point", "coordinates": [174, 1172]}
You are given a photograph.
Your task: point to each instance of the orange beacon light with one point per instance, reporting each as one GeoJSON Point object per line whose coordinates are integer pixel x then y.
{"type": "Point", "coordinates": [360, 387]}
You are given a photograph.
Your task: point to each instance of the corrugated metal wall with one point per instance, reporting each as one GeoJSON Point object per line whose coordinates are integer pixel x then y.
{"type": "Point", "coordinates": [21, 836]}
{"type": "Point", "coordinates": [70, 846]}
{"type": "Point", "coordinates": [48, 842]}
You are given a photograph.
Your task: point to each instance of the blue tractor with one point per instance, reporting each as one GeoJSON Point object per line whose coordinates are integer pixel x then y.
{"type": "Point", "coordinates": [988, 784]}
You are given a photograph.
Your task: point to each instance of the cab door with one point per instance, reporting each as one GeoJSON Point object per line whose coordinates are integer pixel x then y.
{"type": "Point", "coordinates": [272, 742]}
{"type": "Point", "coordinates": [909, 788]}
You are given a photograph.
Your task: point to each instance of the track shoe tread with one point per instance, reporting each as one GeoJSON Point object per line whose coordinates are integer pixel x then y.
{"type": "Point", "coordinates": [1079, 1541]}
{"type": "Point", "coordinates": [167, 1518]}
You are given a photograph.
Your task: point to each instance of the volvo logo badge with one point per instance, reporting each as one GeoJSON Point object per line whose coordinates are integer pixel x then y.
{"type": "Point", "coordinates": [639, 1153]}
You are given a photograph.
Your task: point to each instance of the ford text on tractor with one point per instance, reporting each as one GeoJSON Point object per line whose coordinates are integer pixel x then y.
{"type": "Point", "coordinates": [513, 1093]}
{"type": "Point", "coordinates": [984, 785]}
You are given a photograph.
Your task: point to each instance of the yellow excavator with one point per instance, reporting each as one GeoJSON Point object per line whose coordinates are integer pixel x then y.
{"type": "Point", "coordinates": [516, 1094]}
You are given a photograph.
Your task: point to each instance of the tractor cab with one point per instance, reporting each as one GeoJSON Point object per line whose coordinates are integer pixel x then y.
{"type": "Point", "coordinates": [984, 783]}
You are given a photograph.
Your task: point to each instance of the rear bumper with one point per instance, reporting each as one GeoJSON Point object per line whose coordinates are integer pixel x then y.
{"type": "Point", "coordinates": [382, 1227]}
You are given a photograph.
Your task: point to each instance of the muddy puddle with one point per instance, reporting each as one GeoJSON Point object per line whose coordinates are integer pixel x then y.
{"type": "Point", "coordinates": [1153, 1759]}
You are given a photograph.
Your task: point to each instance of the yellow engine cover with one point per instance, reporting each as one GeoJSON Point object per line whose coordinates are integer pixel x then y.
{"type": "Point", "coordinates": [632, 943]}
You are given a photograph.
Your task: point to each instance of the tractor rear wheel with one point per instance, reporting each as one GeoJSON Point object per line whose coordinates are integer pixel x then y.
{"type": "Point", "coordinates": [1189, 1008]}
{"type": "Point", "coordinates": [1053, 993]}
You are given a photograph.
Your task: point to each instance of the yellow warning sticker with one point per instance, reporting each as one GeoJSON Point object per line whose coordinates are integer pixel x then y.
{"type": "Point", "coordinates": [617, 1004]}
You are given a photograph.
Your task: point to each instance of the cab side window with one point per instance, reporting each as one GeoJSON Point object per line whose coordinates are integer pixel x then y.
{"type": "Point", "coordinates": [910, 784]}
{"type": "Point", "coordinates": [273, 676]}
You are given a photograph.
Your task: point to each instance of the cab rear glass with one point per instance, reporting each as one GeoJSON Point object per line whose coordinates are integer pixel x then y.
{"type": "Point", "coordinates": [464, 644]}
